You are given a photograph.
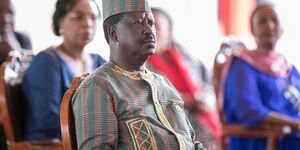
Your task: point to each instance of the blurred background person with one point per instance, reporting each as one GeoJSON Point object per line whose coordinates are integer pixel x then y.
{"type": "Point", "coordinates": [190, 77]}
{"type": "Point", "coordinates": [9, 38]}
{"type": "Point", "coordinates": [261, 87]}
{"type": "Point", "coordinates": [52, 70]}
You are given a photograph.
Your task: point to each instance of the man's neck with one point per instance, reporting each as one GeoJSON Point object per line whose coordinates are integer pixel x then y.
{"type": "Point", "coordinates": [128, 67]}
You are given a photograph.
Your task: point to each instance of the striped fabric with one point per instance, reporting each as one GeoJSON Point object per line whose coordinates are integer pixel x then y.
{"type": "Point", "coordinates": [113, 7]}
{"type": "Point", "coordinates": [116, 109]}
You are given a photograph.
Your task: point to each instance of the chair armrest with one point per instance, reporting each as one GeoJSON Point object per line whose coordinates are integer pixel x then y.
{"type": "Point", "coordinates": [258, 131]}
{"type": "Point", "coordinates": [43, 144]}
{"type": "Point", "coordinates": [46, 142]}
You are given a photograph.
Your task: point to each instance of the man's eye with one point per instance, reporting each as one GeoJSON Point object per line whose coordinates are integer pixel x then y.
{"type": "Point", "coordinates": [138, 21]}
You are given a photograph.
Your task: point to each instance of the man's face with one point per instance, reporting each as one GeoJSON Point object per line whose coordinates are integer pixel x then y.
{"type": "Point", "coordinates": [6, 17]}
{"type": "Point", "coordinates": [266, 27]}
{"type": "Point", "coordinates": [136, 36]}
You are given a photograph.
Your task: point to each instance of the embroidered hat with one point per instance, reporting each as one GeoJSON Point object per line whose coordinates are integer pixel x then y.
{"type": "Point", "coordinates": [113, 7]}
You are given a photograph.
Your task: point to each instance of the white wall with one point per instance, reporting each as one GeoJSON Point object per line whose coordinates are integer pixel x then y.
{"type": "Point", "coordinates": [195, 26]}
{"type": "Point", "coordinates": [289, 44]}
{"type": "Point", "coordinates": [35, 18]}
{"type": "Point", "coordinates": [194, 21]}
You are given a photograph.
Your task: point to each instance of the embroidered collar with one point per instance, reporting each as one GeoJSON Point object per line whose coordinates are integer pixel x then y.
{"type": "Point", "coordinates": [146, 74]}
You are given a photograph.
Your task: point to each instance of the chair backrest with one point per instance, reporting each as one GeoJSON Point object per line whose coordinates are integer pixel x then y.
{"type": "Point", "coordinates": [227, 48]}
{"type": "Point", "coordinates": [12, 99]}
{"type": "Point", "coordinates": [67, 122]}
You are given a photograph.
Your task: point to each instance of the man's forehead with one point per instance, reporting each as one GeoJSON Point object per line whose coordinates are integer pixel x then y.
{"type": "Point", "coordinates": [137, 14]}
{"type": "Point", "coordinates": [114, 7]}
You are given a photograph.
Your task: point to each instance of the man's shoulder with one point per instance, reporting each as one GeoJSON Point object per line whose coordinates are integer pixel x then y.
{"type": "Point", "coordinates": [160, 79]}
{"type": "Point", "coordinates": [155, 75]}
{"type": "Point", "coordinates": [99, 76]}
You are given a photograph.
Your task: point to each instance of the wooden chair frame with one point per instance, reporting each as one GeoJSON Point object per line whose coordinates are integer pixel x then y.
{"type": "Point", "coordinates": [67, 122]}
{"type": "Point", "coordinates": [12, 126]}
{"type": "Point", "coordinates": [270, 132]}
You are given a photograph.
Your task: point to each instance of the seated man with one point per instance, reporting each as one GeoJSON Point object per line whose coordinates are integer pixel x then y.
{"type": "Point", "coordinates": [122, 105]}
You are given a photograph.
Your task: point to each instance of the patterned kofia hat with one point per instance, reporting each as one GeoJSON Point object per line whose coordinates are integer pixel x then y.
{"type": "Point", "coordinates": [113, 7]}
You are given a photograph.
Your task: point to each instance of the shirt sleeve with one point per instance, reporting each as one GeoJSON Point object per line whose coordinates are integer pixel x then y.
{"type": "Point", "coordinates": [96, 122]}
{"type": "Point", "coordinates": [243, 102]}
{"type": "Point", "coordinates": [42, 88]}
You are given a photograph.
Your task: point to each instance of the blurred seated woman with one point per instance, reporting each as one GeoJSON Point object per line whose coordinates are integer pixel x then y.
{"type": "Point", "coordinates": [261, 87]}
{"type": "Point", "coordinates": [190, 77]}
{"type": "Point", "coordinates": [9, 38]}
{"type": "Point", "coordinates": [52, 70]}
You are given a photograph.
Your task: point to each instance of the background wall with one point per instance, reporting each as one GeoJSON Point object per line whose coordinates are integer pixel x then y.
{"type": "Point", "coordinates": [195, 25]}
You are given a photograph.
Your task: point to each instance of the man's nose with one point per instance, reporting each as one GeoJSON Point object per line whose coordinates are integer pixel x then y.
{"type": "Point", "coordinates": [149, 29]}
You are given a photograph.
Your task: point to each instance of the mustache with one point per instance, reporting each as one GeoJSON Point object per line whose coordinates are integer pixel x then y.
{"type": "Point", "coordinates": [148, 38]}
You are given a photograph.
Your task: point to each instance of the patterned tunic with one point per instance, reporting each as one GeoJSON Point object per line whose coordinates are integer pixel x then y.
{"type": "Point", "coordinates": [116, 109]}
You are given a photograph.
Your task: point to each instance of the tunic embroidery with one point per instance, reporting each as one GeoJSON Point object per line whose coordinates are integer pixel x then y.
{"type": "Point", "coordinates": [162, 116]}
{"type": "Point", "coordinates": [141, 134]}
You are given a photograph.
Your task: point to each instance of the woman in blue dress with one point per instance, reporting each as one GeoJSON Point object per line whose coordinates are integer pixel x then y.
{"type": "Point", "coordinates": [261, 87]}
{"type": "Point", "coordinates": [52, 70]}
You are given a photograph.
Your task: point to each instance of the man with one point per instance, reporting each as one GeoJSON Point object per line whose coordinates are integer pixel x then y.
{"type": "Point", "coordinates": [9, 39]}
{"type": "Point", "coordinates": [122, 105]}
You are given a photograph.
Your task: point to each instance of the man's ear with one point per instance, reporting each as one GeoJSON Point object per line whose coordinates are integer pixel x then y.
{"type": "Point", "coordinates": [112, 33]}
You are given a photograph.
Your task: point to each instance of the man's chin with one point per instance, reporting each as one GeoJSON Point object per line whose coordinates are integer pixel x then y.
{"type": "Point", "coordinates": [147, 55]}
{"type": "Point", "coordinates": [150, 51]}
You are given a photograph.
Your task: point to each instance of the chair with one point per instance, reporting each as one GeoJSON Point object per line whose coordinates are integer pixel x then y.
{"type": "Point", "coordinates": [67, 122]}
{"type": "Point", "coordinates": [270, 132]}
{"type": "Point", "coordinates": [12, 102]}
{"type": "Point", "coordinates": [227, 48]}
